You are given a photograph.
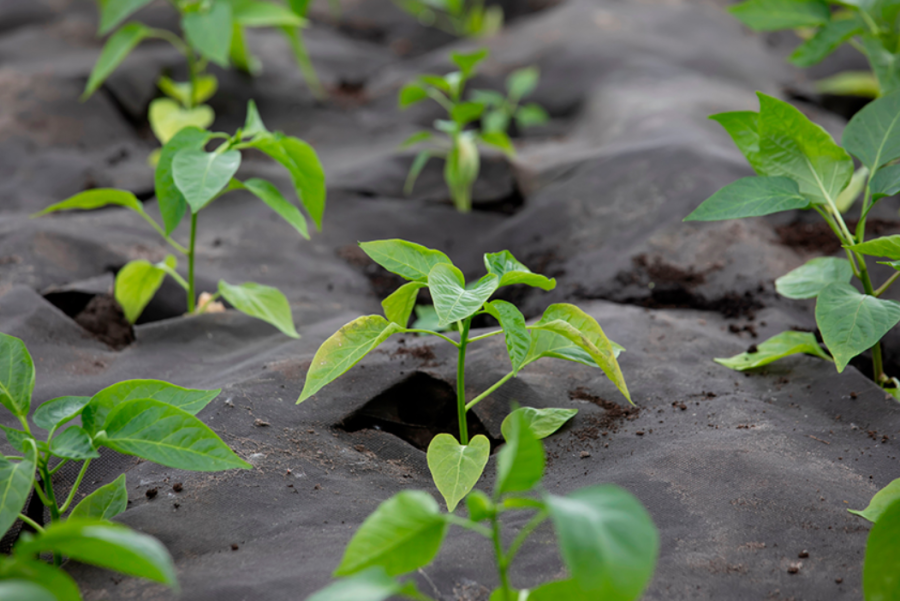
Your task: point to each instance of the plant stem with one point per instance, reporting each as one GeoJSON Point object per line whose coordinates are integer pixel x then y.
{"type": "Point", "coordinates": [31, 522]}
{"type": "Point", "coordinates": [75, 487]}
{"type": "Point", "coordinates": [305, 64]}
{"type": "Point", "coordinates": [469, 525]}
{"type": "Point", "coordinates": [883, 288]}
{"type": "Point", "coordinates": [192, 299]}
{"type": "Point", "coordinates": [429, 332]}
{"type": "Point", "coordinates": [524, 533]}
{"type": "Point", "coordinates": [192, 69]}
{"type": "Point", "coordinates": [51, 497]}
{"type": "Point", "coordinates": [487, 392]}
{"type": "Point", "coordinates": [483, 336]}
{"type": "Point", "coordinates": [461, 381]}
{"type": "Point", "coordinates": [502, 565]}
{"type": "Point", "coordinates": [59, 465]}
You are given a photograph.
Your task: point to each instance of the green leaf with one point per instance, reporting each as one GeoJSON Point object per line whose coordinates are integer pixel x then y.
{"type": "Point", "coordinates": [372, 584]}
{"type": "Point", "coordinates": [444, 84]}
{"type": "Point", "coordinates": [58, 411]}
{"type": "Point", "coordinates": [262, 302]}
{"type": "Point", "coordinates": [873, 134]}
{"type": "Point", "coordinates": [95, 199]}
{"type": "Point", "coordinates": [206, 86]}
{"type": "Point", "coordinates": [510, 271]}
{"type": "Point", "coordinates": [304, 167]}
{"type": "Point", "coordinates": [16, 480]}
{"type": "Point", "coordinates": [886, 246]}
{"type": "Point", "coordinates": [496, 120]}
{"type": "Point", "coordinates": [518, 338]}
{"type": "Point", "coordinates": [543, 422]}
{"type": "Point", "coordinates": [410, 94]}
{"type": "Point", "coordinates": [104, 503]}
{"type": "Point", "coordinates": [18, 589]}
{"type": "Point", "coordinates": [461, 170]}
{"type": "Point", "coordinates": [743, 127]}
{"type": "Point", "coordinates": [499, 139]}
{"type": "Point", "coordinates": [546, 344]}
{"type": "Point", "coordinates": [104, 544]}
{"type": "Point", "coordinates": [530, 115]}
{"type": "Point", "coordinates": [344, 349]}
{"type": "Point", "coordinates": [253, 124]}
{"type": "Point", "coordinates": [191, 400]}
{"type": "Point", "coordinates": [522, 82]}
{"type": "Point", "coordinates": [468, 62]}
{"type": "Point", "coordinates": [466, 112]}
{"type": "Point", "coordinates": [452, 300]}
{"type": "Point", "coordinates": [520, 462]}
{"type": "Point", "coordinates": [137, 283]}
{"type": "Point", "coordinates": [826, 41]}
{"type": "Point", "coordinates": [172, 204]}
{"type": "Point", "coordinates": [427, 319]}
{"type": "Point", "coordinates": [772, 15]}
{"type": "Point", "coordinates": [117, 47]}
{"type": "Point", "coordinates": [201, 175]}
{"type": "Point", "coordinates": [489, 98]}
{"type": "Point", "coordinates": [852, 322]}
{"type": "Point", "coordinates": [406, 259]}
{"type": "Point", "coordinates": [17, 438]}
{"type": "Point", "coordinates": [583, 330]}
{"type": "Point", "coordinates": [456, 468]}
{"type": "Point", "coordinates": [793, 146]}
{"type": "Point", "coordinates": [73, 443]}
{"type": "Point", "coordinates": [886, 182]}
{"type": "Point", "coordinates": [775, 348]}
{"type": "Point", "coordinates": [240, 54]}
{"type": "Point", "coordinates": [881, 579]}
{"type": "Point", "coordinates": [35, 571]}
{"type": "Point", "coordinates": [607, 540]}
{"type": "Point", "coordinates": [480, 506]}
{"type": "Point", "coordinates": [401, 302]}
{"type": "Point", "coordinates": [848, 195]}
{"type": "Point", "coordinates": [166, 435]}
{"type": "Point", "coordinates": [809, 280]}
{"type": "Point", "coordinates": [415, 169]}
{"type": "Point", "coordinates": [16, 376]}
{"type": "Point", "coordinates": [167, 118]}
{"type": "Point", "coordinates": [254, 13]}
{"type": "Point", "coordinates": [884, 63]}
{"type": "Point", "coordinates": [751, 197]}
{"type": "Point", "coordinates": [113, 12]}
{"type": "Point", "coordinates": [402, 535]}
{"type": "Point", "coordinates": [417, 138]}
{"type": "Point", "coordinates": [209, 32]}
{"type": "Point", "coordinates": [269, 194]}
{"type": "Point", "coordinates": [863, 84]}
{"type": "Point", "coordinates": [880, 502]}
{"type": "Point", "coordinates": [561, 589]}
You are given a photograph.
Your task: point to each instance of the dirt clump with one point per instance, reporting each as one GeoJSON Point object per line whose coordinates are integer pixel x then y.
{"type": "Point", "coordinates": [104, 318]}
{"type": "Point", "coordinates": [818, 238]}
{"type": "Point", "coordinates": [610, 421]}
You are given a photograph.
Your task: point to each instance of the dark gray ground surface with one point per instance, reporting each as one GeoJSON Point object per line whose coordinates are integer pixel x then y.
{"type": "Point", "coordinates": [740, 472]}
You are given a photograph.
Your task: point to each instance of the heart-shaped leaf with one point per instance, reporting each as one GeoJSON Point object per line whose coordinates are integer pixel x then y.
{"type": "Point", "coordinates": [200, 175]}
{"type": "Point", "coordinates": [453, 301]}
{"type": "Point", "coordinates": [262, 302]}
{"type": "Point", "coordinates": [510, 271]}
{"type": "Point", "coordinates": [210, 32]}
{"type": "Point", "coordinates": [16, 376]}
{"type": "Point", "coordinates": [137, 283]}
{"type": "Point", "coordinates": [810, 279]}
{"type": "Point", "coordinates": [406, 259]}
{"type": "Point", "coordinates": [73, 443]}
{"type": "Point", "coordinates": [104, 503]}
{"type": "Point", "coordinates": [167, 118]}
{"type": "Point", "coordinates": [456, 468]}
{"type": "Point", "coordinates": [543, 422]}
{"type": "Point", "coordinates": [172, 205]}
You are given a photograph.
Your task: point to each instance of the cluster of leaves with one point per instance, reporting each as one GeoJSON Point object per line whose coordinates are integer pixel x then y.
{"type": "Point", "coordinates": [801, 167]}
{"type": "Point", "coordinates": [882, 562]}
{"type": "Point", "coordinates": [457, 17]}
{"type": "Point", "coordinates": [188, 179]}
{"type": "Point", "coordinates": [213, 32]}
{"type": "Point", "coordinates": [149, 419]}
{"type": "Point", "coordinates": [870, 26]}
{"type": "Point", "coordinates": [456, 139]}
{"type": "Point", "coordinates": [606, 538]}
{"type": "Point", "coordinates": [563, 332]}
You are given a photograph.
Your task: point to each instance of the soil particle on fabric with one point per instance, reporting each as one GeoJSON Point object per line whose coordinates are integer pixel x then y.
{"type": "Point", "coordinates": [105, 320]}
{"type": "Point", "coordinates": [817, 237]}
{"type": "Point", "coordinates": [613, 416]}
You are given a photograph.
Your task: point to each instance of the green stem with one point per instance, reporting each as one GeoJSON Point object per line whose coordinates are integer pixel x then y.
{"type": "Point", "coordinates": [487, 392]}
{"type": "Point", "coordinates": [163, 233]}
{"type": "Point", "coordinates": [883, 288]}
{"type": "Point", "coordinates": [461, 381]}
{"type": "Point", "coordinates": [192, 299]}
{"type": "Point", "coordinates": [469, 525]}
{"type": "Point", "coordinates": [524, 533]}
{"type": "Point", "coordinates": [175, 275]}
{"type": "Point", "coordinates": [438, 334]}
{"type": "Point", "coordinates": [31, 522]}
{"type": "Point", "coordinates": [502, 565]}
{"type": "Point", "coordinates": [192, 69]}
{"type": "Point", "coordinates": [483, 336]}
{"type": "Point", "coordinates": [53, 506]}
{"type": "Point", "coordinates": [59, 465]}
{"type": "Point", "coordinates": [305, 64]}
{"type": "Point", "coordinates": [75, 487]}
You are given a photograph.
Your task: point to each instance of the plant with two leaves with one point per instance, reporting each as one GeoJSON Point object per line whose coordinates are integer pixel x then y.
{"type": "Point", "coordinates": [882, 560]}
{"type": "Point", "coordinates": [606, 538]}
{"type": "Point", "coordinates": [457, 141]}
{"type": "Point", "coordinates": [188, 179]}
{"type": "Point", "coordinates": [213, 31]}
{"type": "Point", "coordinates": [563, 332]}
{"type": "Point", "coordinates": [463, 18]}
{"type": "Point", "coordinates": [149, 419]}
{"type": "Point", "coordinates": [871, 26]}
{"type": "Point", "coordinates": [801, 167]}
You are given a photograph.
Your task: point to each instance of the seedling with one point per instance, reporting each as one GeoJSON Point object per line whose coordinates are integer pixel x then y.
{"type": "Point", "coordinates": [564, 332]}
{"type": "Point", "coordinates": [456, 140]}
{"type": "Point", "coordinates": [190, 177]}
{"type": "Point", "coordinates": [801, 167]}
{"type": "Point", "coordinates": [882, 561]}
{"type": "Point", "coordinates": [457, 17]}
{"type": "Point", "coordinates": [213, 31]}
{"type": "Point", "coordinates": [872, 28]}
{"type": "Point", "coordinates": [149, 419]}
{"type": "Point", "coordinates": [606, 538]}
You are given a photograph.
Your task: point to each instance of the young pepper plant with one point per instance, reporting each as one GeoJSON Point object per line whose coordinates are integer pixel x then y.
{"type": "Point", "coordinates": [149, 419]}
{"type": "Point", "coordinates": [606, 538]}
{"type": "Point", "coordinates": [563, 332]}
{"type": "Point", "coordinates": [457, 17]}
{"type": "Point", "coordinates": [801, 167]}
{"type": "Point", "coordinates": [872, 28]}
{"type": "Point", "coordinates": [502, 111]}
{"type": "Point", "coordinates": [882, 560]}
{"type": "Point", "coordinates": [456, 141]}
{"type": "Point", "coordinates": [213, 31]}
{"type": "Point", "coordinates": [188, 179]}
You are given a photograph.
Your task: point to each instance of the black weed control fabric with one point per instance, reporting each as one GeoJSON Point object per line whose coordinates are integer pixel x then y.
{"type": "Point", "coordinates": [741, 473]}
